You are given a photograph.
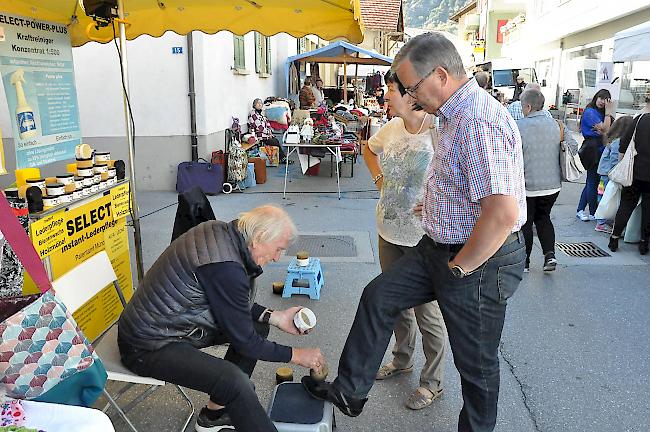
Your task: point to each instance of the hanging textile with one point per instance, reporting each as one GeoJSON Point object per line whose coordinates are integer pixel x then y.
{"type": "Point", "coordinates": [294, 82]}
{"type": "Point", "coordinates": [315, 72]}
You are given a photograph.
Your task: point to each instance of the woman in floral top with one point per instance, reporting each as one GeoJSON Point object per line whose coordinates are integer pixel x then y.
{"type": "Point", "coordinates": [398, 157]}
{"type": "Point", "coordinates": [259, 126]}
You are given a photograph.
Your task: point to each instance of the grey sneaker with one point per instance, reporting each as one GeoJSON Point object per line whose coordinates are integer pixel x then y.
{"type": "Point", "coordinates": [550, 262]}
{"type": "Point", "coordinates": [208, 422]}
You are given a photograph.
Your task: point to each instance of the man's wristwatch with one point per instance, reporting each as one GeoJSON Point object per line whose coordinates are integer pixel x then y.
{"type": "Point", "coordinates": [457, 270]}
{"type": "Point", "coordinates": [266, 316]}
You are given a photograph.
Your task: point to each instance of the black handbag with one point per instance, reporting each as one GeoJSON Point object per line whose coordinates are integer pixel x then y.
{"type": "Point", "coordinates": [207, 176]}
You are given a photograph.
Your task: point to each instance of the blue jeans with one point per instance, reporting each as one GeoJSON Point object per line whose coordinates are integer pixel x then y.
{"type": "Point", "coordinates": [590, 192]}
{"type": "Point", "coordinates": [473, 308]}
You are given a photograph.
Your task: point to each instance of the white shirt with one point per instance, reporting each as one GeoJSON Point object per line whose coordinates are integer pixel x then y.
{"type": "Point", "coordinates": [318, 94]}
{"type": "Point", "coordinates": [404, 159]}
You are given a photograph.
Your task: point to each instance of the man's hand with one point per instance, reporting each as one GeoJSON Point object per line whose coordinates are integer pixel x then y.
{"type": "Point", "coordinates": [311, 358]}
{"type": "Point", "coordinates": [417, 209]}
{"type": "Point", "coordinates": [284, 320]}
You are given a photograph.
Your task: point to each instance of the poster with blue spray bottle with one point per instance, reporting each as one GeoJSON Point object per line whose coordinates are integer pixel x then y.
{"type": "Point", "coordinates": [38, 79]}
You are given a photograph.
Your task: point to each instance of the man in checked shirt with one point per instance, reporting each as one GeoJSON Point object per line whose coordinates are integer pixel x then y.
{"type": "Point", "coordinates": [472, 257]}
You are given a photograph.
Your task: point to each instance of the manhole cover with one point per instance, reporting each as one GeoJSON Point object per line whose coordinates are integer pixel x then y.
{"type": "Point", "coordinates": [582, 250]}
{"type": "Point", "coordinates": [324, 246]}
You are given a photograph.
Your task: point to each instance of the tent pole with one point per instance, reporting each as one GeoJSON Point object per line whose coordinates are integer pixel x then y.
{"type": "Point", "coordinates": [129, 136]}
{"type": "Point", "coordinates": [345, 81]}
{"type": "Point", "coordinates": [354, 83]}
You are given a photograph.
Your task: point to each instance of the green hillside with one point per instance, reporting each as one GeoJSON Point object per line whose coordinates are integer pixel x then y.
{"type": "Point", "coordinates": [431, 14]}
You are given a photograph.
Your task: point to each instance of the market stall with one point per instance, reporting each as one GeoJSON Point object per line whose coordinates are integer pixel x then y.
{"type": "Point", "coordinates": [86, 21]}
{"type": "Point", "coordinates": [74, 213]}
{"type": "Point", "coordinates": [339, 52]}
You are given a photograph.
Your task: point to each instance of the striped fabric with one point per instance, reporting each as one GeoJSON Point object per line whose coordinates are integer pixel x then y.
{"type": "Point", "coordinates": [479, 155]}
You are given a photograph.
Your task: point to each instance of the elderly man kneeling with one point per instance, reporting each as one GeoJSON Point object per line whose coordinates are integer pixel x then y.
{"type": "Point", "coordinates": [198, 294]}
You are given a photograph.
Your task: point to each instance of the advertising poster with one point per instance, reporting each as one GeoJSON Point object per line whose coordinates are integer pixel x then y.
{"type": "Point", "coordinates": [68, 238]}
{"type": "Point", "coordinates": [38, 77]}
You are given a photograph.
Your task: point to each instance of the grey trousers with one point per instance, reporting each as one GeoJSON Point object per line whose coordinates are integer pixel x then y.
{"type": "Point", "coordinates": [428, 319]}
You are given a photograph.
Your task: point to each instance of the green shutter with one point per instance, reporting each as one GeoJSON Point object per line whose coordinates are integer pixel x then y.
{"type": "Point", "coordinates": [240, 53]}
{"type": "Point", "coordinates": [258, 53]}
{"type": "Point", "coordinates": [268, 55]}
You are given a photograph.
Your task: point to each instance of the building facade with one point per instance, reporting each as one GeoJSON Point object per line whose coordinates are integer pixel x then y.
{"type": "Point", "coordinates": [229, 72]}
{"type": "Point", "coordinates": [568, 39]}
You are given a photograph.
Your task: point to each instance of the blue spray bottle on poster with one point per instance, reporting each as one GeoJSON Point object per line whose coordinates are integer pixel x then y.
{"type": "Point", "coordinates": [24, 112]}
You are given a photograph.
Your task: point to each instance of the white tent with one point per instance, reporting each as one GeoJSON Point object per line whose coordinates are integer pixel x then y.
{"type": "Point", "coordinates": [632, 44]}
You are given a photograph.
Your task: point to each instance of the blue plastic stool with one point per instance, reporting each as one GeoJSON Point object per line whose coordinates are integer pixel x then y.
{"type": "Point", "coordinates": [311, 272]}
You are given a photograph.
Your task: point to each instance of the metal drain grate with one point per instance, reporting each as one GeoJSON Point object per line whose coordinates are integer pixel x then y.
{"type": "Point", "coordinates": [582, 250]}
{"type": "Point", "coordinates": [324, 246]}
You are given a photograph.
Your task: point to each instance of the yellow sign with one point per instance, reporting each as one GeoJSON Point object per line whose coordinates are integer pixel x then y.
{"type": "Point", "coordinates": [86, 231]}
{"type": "Point", "coordinates": [120, 197]}
{"type": "Point", "coordinates": [48, 234]}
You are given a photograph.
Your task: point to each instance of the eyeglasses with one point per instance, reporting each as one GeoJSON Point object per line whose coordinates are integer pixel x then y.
{"type": "Point", "coordinates": [412, 91]}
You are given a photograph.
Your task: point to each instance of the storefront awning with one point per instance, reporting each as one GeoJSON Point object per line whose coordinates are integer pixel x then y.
{"type": "Point", "coordinates": [632, 44]}
{"type": "Point", "coordinates": [328, 19]}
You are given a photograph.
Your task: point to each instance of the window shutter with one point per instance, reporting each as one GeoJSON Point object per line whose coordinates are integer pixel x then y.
{"type": "Point", "coordinates": [268, 55]}
{"type": "Point", "coordinates": [240, 53]}
{"type": "Point", "coordinates": [258, 53]}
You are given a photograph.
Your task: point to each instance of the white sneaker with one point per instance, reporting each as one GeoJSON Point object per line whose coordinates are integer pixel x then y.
{"type": "Point", "coordinates": [591, 217]}
{"type": "Point", "coordinates": [584, 216]}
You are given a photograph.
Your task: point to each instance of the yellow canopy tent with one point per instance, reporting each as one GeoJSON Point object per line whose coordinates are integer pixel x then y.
{"type": "Point", "coordinates": [328, 19]}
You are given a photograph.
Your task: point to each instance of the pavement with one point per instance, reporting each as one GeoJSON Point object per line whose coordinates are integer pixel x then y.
{"type": "Point", "coordinates": [574, 352]}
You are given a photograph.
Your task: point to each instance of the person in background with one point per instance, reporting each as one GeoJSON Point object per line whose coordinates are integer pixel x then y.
{"type": "Point", "coordinates": [595, 122]}
{"type": "Point", "coordinates": [640, 187]}
{"type": "Point", "coordinates": [317, 89]}
{"type": "Point", "coordinates": [472, 257]}
{"type": "Point", "coordinates": [398, 157]}
{"type": "Point", "coordinates": [199, 293]}
{"type": "Point", "coordinates": [482, 79]}
{"type": "Point", "coordinates": [514, 108]}
{"type": "Point", "coordinates": [520, 86]}
{"type": "Point", "coordinates": [259, 126]}
{"type": "Point", "coordinates": [306, 95]}
{"type": "Point", "coordinates": [540, 137]}
{"type": "Point", "coordinates": [609, 159]}
{"type": "Point", "coordinates": [379, 94]}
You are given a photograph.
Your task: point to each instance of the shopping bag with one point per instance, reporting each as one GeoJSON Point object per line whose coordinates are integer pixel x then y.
{"type": "Point", "coordinates": [271, 155]}
{"type": "Point", "coordinates": [623, 172]}
{"type": "Point", "coordinates": [570, 162]}
{"type": "Point", "coordinates": [610, 201]}
{"type": "Point", "coordinates": [44, 356]}
{"type": "Point", "coordinates": [207, 176]}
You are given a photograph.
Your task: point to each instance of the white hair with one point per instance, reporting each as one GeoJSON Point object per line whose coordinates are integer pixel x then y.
{"type": "Point", "coordinates": [266, 224]}
{"type": "Point", "coordinates": [534, 98]}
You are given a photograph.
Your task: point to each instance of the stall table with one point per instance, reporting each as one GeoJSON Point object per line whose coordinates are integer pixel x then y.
{"type": "Point", "coordinates": [334, 149]}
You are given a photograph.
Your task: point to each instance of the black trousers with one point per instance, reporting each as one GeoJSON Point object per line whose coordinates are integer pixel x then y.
{"type": "Point", "coordinates": [226, 380]}
{"type": "Point", "coordinates": [539, 213]}
{"type": "Point", "coordinates": [629, 200]}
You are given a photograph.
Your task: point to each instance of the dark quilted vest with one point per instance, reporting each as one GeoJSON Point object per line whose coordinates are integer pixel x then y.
{"type": "Point", "coordinates": [169, 305]}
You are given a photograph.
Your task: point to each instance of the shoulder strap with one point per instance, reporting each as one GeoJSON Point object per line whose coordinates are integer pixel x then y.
{"type": "Point", "coordinates": [22, 245]}
{"type": "Point", "coordinates": [561, 125]}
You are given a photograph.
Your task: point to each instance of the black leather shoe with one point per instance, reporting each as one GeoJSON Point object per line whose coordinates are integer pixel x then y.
{"type": "Point", "coordinates": [613, 244]}
{"type": "Point", "coordinates": [324, 390]}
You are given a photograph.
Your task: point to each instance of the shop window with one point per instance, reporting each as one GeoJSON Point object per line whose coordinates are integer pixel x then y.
{"type": "Point", "coordinates": [635, 84]}
{"type": "Point", "coordinates": [240, 52]}
{"type": "Point", "coordinates": [262, 54]}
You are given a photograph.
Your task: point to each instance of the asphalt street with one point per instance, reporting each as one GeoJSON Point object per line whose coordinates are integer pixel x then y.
{"type": "Point", "coordinates": [574, 352]}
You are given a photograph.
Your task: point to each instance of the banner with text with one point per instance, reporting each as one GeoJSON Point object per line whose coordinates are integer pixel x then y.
{"type": "Point", "coordinates": [38, 76]}
{"type": "Point", "coordinates": [68, 238]}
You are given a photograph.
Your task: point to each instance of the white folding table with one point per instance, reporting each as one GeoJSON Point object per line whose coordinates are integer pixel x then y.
{"type": "Point", "coordinates": [334, 149]}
